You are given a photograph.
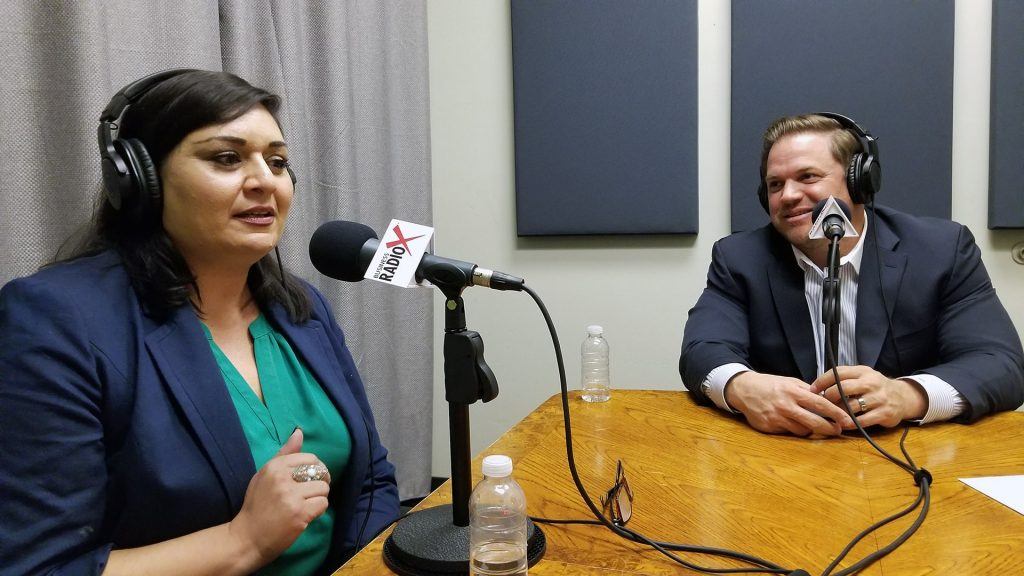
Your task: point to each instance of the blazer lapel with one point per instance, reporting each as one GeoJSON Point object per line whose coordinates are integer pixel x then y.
{"type": "Point", "coordinates": [311, 344]}
{"type": "Point", "coordinates": [872, 318]}
{"type": "Point", "coordinates": [787, 286]}
{"type": "Point", "coordinates": [182, 355]}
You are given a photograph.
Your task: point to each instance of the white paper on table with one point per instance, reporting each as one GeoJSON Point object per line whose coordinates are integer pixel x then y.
{"type": "Point", "coordinates": [1007, 490]}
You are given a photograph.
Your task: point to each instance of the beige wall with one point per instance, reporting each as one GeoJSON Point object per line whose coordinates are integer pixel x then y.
{"type": "Point", "coordinates": [638, 288]}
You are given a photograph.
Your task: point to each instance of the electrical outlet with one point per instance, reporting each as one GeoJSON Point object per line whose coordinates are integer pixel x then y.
{"type": "Point", "coordinates": [1017, 252]}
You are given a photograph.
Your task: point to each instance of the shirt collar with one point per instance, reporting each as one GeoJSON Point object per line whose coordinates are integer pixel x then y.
{"type": "Point", "coordinates": [853, 258]}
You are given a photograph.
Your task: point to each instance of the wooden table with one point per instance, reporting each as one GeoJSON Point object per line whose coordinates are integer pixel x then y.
{"type": "Point", "coordinates": [702, 477]}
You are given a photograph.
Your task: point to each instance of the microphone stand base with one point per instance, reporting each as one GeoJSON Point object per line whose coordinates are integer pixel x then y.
{"type": "Point", "coordinates": [428, 543]}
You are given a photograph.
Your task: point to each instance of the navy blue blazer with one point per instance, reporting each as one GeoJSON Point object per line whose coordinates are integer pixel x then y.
{"type": "Point", "coordinates": [118, 431]}
{"type": "Point", "coordinates": [946, 317]}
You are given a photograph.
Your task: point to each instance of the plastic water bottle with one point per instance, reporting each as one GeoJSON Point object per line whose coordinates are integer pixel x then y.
{"type": "Point", "coordinates": [596, 382]}
{"type": "Point", "coordinates": [497, 522]}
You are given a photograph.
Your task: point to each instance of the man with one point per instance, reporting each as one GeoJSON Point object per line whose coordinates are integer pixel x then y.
{"type": "Point", "coordinates": [923, 336]}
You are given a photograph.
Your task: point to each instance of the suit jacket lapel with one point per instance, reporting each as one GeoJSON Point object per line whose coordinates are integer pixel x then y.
{"type": "Point", "coordinates": [787, 285]}
{"type": "Point", "coordinates": [182, 355]}
{"type": "Point", "coordinates": [872, 318]}
{"type": "Point", "coordinates": [310, 342]}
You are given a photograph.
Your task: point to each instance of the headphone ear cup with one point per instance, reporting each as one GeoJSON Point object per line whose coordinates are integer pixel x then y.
{"type": "Point", "coordinates": [113, 180]}
{"type": "Point", "coordinates": [854, 181]}
{"type": "Point", "coordinates": [143, 194]}
{"type": "Point", "coordinates": [870, 178]}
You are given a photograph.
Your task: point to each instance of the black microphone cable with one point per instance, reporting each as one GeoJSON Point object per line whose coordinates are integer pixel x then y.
{"type": "Point", "coordinates": [666, 548]}
{"type": "Point", "coordinates": [373, 484]}
{"type": "Point", "coordinates": [922, 478]}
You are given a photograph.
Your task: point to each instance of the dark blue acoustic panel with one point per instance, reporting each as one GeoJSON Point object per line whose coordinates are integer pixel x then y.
{"type": "Point", "coordinates": [1006, 149]}
{"type": "Point", "coordinates": [888, 64]}
{"type": "Point", "coordinates": [605, 116]}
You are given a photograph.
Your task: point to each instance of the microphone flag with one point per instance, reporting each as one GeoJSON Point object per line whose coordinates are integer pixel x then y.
{"type": "Point", "coordinates": [399, 254]}
{"type": "Point", "coordinates": [831, 208]}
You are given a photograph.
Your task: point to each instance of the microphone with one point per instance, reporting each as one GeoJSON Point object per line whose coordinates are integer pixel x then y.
{"type": "Point", "coordinates": [834, 225]}
{"type": "Point", "coordinates": [343, 250]}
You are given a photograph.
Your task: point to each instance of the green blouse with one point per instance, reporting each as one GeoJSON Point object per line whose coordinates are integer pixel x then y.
{"type": "Point", "coordinates": [291, 397]}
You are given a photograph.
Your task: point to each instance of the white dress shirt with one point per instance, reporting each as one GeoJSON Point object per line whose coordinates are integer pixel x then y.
{"type": "Point", "coordinates": [944, 402]}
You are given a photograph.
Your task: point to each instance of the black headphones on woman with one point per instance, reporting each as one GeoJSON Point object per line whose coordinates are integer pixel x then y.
{"type": "Point", "coordinates": [130, 180]}
{"type": "Point", "coordinates": [863, 175]}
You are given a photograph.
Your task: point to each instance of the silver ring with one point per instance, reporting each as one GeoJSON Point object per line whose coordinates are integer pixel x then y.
{"type": "Point", "coordinates": [863, 404]}
{"type": "Point", "coordinates": [309, 472]}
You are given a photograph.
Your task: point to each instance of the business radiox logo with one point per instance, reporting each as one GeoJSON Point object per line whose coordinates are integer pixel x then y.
{"type": "Point", "coordinates": [389, 261]}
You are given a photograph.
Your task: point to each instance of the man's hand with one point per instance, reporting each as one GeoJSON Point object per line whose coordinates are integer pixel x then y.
{"type": "Point", "coordinates": [778, 404]}
{"type": "Point", "coordinates": [873, 397]}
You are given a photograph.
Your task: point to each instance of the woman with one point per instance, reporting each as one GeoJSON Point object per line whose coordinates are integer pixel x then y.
{"type": "Point", "coordinates": [171, 401]}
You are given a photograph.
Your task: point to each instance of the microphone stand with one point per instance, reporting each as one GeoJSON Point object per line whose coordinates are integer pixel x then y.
{"type": "Point", "coordinates": [435, 541]}
{"type": "Point", "coordinates": [830, 304]}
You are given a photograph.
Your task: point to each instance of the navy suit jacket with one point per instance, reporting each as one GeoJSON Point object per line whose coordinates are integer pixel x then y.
{"type": "Point", "coordinates": [118, 430]}
{"type": "Point", "coordinates": [946, 318]}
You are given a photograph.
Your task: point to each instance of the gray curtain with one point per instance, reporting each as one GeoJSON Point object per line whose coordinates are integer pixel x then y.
{"type": "Point", "coordinates": [353, 76]}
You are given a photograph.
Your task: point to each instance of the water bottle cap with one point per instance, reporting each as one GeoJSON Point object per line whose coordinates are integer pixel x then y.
{"type": "Point", "coordinates": [497, 466]}
{"type": "Point", "coordinates": [595, 330]}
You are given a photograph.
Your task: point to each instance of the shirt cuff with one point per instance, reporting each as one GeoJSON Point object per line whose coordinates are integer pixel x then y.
{"type": "Point", "coordinates": [944, 402]}
{"type": "Point", "coordinates": [716, 380]}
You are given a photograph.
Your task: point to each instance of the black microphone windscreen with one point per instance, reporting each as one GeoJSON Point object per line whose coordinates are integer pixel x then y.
{"type": "Point", "coordinates": [335, 249]}
{"type": "Point", "coordinates": [821, 206]}
{"type": "Point", "coordinates": [817, 210]}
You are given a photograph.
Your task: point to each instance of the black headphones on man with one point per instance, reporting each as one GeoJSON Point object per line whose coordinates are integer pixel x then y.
{"type": "Point", "coordinates": [863, 175]}
{"type": "Point", "coordinates": [130, 180]}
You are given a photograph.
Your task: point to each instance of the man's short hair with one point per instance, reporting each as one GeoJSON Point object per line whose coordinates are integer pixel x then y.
{"type": "Point", "coordinates": [844, 143]}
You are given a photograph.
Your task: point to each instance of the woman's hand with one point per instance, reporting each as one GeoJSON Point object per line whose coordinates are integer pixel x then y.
{"type": "Point", "coordinates": [277, 508]}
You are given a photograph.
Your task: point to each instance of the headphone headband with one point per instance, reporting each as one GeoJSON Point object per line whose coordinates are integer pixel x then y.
{"type": "Point", "coordinates": [129, 94]}
{"type": "Point", "coordinates": [868, 143]}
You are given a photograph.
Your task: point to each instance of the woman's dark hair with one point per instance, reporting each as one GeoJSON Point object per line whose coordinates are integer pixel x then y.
{"type": "Point", "coordinates": [160, 119]}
